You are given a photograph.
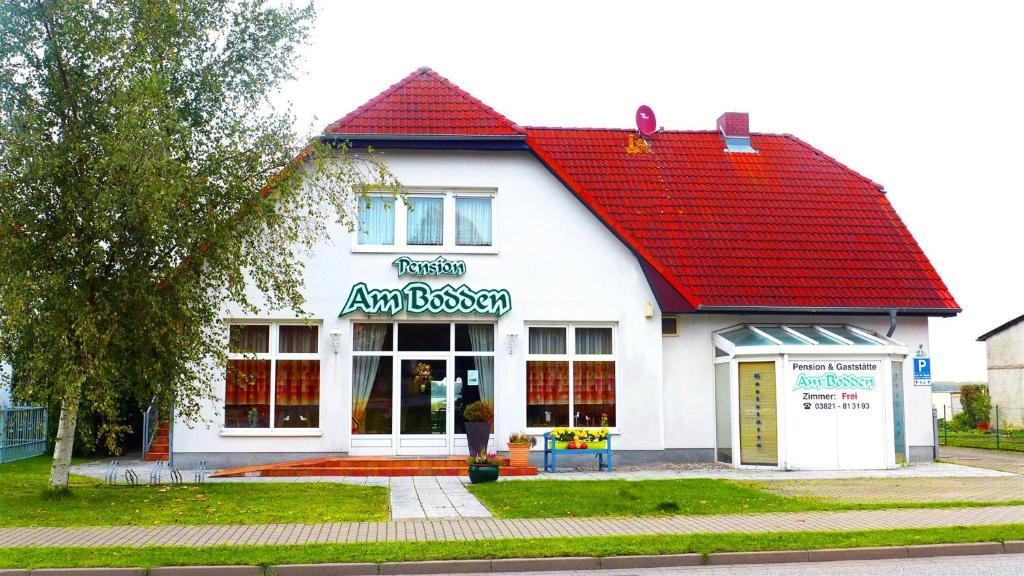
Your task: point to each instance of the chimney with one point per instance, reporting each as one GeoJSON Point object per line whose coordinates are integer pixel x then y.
{"type": "Point", "coordinates": [735, 129]}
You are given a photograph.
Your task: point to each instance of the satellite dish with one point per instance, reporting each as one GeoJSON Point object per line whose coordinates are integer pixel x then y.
{"type": "Point", "coordinates": [645, 121]}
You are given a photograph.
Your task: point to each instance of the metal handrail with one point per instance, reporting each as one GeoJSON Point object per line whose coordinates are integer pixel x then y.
{"type": "Point", "coordinates": [150, 424]}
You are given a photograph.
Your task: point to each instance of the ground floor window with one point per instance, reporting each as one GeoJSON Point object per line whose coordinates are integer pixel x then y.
{"type": "Point", "coordinates": [273, 376]}
{"type": "Point", "coordinates": [415, 371]}
{"type": "Point", "coordinates": [570, 376]}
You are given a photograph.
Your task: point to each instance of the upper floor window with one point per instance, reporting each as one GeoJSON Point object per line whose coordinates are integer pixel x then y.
{"type": "Point", "coordinates": [430, 221]}
{"type": "Point", "coordinates": [377, 221]}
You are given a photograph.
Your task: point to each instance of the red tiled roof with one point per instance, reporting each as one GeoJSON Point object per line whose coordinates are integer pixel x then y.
{"type": "Point", "coordinates": [425, 103]}
{"type": "Point", "coordinates": [786, 227]}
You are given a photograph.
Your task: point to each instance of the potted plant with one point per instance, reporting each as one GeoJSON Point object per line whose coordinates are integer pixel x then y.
{"type": "Point", "coordinates": [478, 417]}
{"type": "Point", "coordinates": [483, 468]}
{"type": "Point", "coordinates": [519, 444]}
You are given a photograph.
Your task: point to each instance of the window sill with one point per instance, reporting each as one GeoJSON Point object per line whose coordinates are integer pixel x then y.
{"type": "Point", "coordinates": [382, 249]}
{"type": "Point", "coordinates": [272, 432]}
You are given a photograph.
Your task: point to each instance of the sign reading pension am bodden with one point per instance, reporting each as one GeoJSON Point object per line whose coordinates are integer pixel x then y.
{"type": "Point", "coordinates": [421, 298]}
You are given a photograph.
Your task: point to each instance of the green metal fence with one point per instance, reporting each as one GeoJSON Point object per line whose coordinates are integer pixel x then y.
{"type": "Point", "coordinates": [1003, 431]}
{"type": "Point", "coordinates": [22, 432]}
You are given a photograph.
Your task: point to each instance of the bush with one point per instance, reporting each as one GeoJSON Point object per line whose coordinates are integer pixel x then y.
{"type": "Point", "coordinates": [976, 403]}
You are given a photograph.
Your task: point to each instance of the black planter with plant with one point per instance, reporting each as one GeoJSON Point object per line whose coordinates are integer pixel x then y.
{"type": "Point", "coordinates": [478, 417]}
{"type": "Point", "coordinates": [483, 468]}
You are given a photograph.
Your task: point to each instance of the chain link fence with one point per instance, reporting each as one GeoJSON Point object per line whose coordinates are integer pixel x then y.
{"type": "Point", "coordinates": [1004, 429]}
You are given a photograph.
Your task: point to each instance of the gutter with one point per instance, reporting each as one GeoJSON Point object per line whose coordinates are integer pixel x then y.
{"type": "Point", "coordinates": [848, 310]}
{"type": "Point", "coordinates": [511, 142]}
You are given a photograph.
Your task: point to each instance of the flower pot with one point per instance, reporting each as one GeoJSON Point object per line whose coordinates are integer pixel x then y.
{"type": "Point", "coordinates": [480, 473]}
{"type": "Point", "coordinates": [477, 434]}
{"type": "Point", "coordinates": [519, 455]}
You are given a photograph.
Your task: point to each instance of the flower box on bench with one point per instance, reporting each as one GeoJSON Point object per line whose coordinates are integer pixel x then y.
{"type": "Point", "coordinates": [552, 448]}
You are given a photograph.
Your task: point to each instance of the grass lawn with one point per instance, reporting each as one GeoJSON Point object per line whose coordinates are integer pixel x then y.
{"type": "Point", "coordinates": [91, 503]}
{"type": "Point", "coordinates": [526, 548]}
{"type": "Point", "coordinates": [561, 498]}
{"type": "Point", "coordinates": [977, 439]}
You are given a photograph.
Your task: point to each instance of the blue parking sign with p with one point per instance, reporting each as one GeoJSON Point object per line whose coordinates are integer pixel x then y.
{"type": "Point", "coordinates": [922, 370]}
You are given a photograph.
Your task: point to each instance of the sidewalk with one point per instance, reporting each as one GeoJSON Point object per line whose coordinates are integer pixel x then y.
{"type": "Point", "coordinates": [481, 529]}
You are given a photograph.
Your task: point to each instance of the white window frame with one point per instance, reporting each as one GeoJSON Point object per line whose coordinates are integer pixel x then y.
{"type": "Point", "coordinates": [572, 357]}
{"type": "Point", "coordinates": [448, 245]}
{"type": "Point", "coordinates": [274, 355]}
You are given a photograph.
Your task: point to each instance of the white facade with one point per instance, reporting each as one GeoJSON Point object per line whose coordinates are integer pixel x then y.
{"type": "Point", "coordinates": [561, 266]}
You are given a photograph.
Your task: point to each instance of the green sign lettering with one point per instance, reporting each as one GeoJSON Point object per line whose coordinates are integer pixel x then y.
{"type": "Point", "coordinates": [439, 266]}
{"type": "Point", "coordinates": [832, 380]}
{"type": "Point", "coordinates": [421, 298]}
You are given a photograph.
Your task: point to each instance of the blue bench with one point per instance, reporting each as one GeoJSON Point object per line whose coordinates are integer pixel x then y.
{"type": "Point", "coordinates": [551, 454]}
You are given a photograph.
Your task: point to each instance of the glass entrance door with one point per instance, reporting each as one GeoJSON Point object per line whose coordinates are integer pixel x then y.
{"type": "Point", "coordinates": [423, 400]}
{"type": "Point", "coordinates": [411, 381]}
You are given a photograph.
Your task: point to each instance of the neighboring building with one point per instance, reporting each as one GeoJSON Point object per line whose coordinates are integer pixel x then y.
{"type": "Point", "coordinates": [707, 295]}
{"type": "Point", "coordinates": [946, 398]}
{"type": "Point", "coordinates": [1004, 347]}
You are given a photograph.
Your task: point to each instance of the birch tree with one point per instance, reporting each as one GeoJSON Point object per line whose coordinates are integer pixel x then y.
{"type": "Point", "coordinates": [145, 180]}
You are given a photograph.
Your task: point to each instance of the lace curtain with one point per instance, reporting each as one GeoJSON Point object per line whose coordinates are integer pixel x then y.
{"type": "Point", "coordinates": [593, 340]}
{"type": "Point", "coordinates": [425, 221]}
{"type": "Point", "coordinates": [297, 339]}
{"type": "Point", "coordinates": [377, 221]}
{"type": "Point", "coordinates": [547, 340]}
{"type": "Point", "coordinates": [473, 221]}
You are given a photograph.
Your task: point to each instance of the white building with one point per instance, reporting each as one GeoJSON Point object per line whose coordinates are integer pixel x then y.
{"type": "Point", "coordinates": [1004, 347]}
{"type": "Point", "coordinates": [706, 295]}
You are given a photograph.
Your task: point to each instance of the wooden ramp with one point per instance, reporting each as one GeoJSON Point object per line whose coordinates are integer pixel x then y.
{"type": "Point", "coordinates": [369, 466]}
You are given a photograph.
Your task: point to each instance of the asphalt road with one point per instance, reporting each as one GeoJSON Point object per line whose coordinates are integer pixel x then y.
{"type": "Point", "coordinates": [1001, 565]}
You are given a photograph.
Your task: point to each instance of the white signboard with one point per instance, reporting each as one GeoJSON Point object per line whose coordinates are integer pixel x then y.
{"type": "Point", "coordinates": [835, 414]}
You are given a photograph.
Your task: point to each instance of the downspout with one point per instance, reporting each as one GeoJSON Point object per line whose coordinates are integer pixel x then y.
{"type": "Point", "coordinates": [892, 323]}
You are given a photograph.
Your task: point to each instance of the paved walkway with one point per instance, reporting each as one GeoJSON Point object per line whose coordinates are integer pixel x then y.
{"type": "Point", "coordinates": [490, 528]}
{"type": "Point", "coordinates": [881, 490]}
{"type": "Point", "coordinates": [432, 497]}
{"type": "Point", "coordinates": [1004, 460]}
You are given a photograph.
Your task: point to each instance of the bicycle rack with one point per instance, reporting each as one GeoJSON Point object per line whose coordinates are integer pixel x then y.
{"type": "Point", "coordinates": [156, 472]}
{"type": "Point", "coordinates": [131, 478]}
{"type": "Point", "coordinates": [175, 476]}
{"type": "Point", "coordinates": [110, 476]}
{"type": "Point", "coordinates": [200, 473]}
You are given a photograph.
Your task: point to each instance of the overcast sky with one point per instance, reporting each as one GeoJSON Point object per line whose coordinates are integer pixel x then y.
{"type": "Point", "coordinates": [924, 98]}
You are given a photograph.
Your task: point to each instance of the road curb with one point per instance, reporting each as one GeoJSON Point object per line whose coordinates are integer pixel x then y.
{"type": "Point", "coordinates": [965, 549]}
{"type": "Point", "coordinates": [548, 564]}
{"type": "Point", "coordinates": [666, 561]}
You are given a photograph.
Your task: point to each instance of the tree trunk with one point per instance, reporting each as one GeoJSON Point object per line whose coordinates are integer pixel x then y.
{"type": "Point", "coordinates": [65, 439]}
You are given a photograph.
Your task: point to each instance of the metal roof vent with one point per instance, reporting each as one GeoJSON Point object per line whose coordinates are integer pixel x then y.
{"type": "Point", "coordinates": [735, 129]}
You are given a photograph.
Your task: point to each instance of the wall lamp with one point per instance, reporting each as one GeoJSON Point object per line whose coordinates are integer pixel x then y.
{"type": "Point", "coordinates": [336, 340]}
{"type": "Point", "coordinates": [512, 337]}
